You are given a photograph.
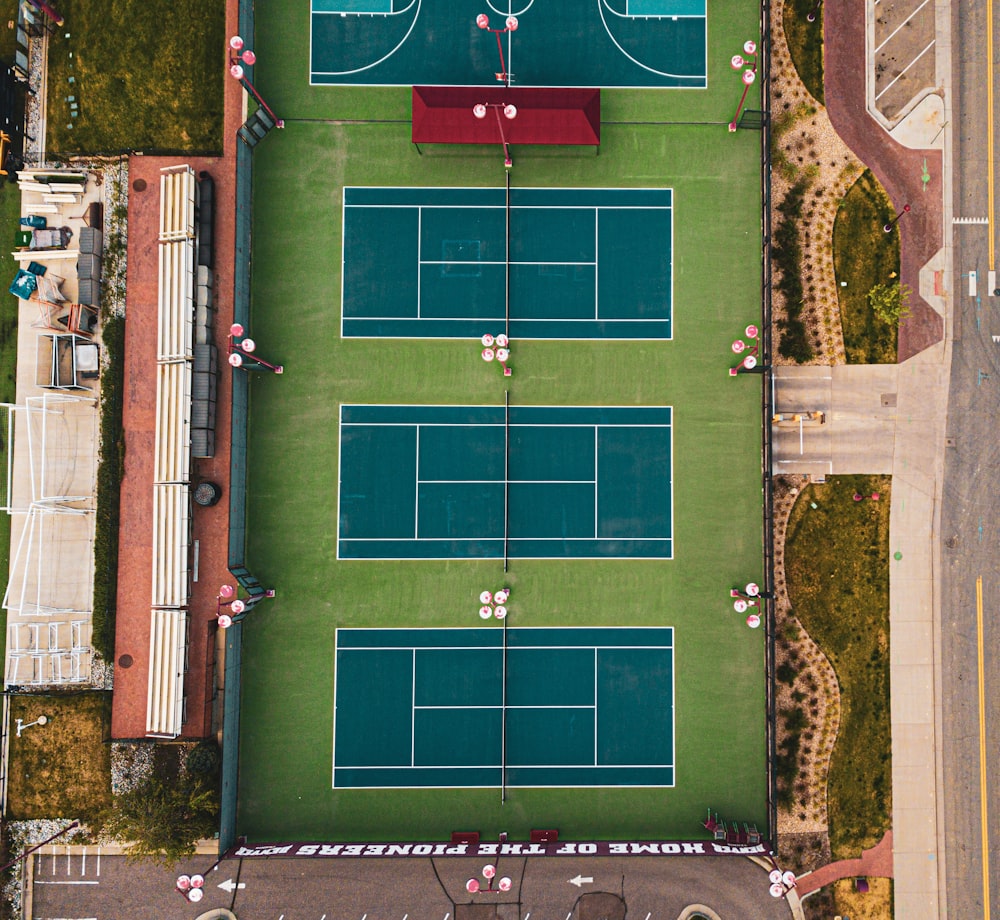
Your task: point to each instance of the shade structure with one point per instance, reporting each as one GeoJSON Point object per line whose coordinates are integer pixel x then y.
{"type": "Point", "coordinates": [443, 115]}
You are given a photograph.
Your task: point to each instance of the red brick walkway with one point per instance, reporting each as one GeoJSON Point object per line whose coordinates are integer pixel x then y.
{"type": "Point", "coordinates": [875, 863]}
{"type": "Point", "coordinates": [898, 168]}
{"type": "Point", "coordinates": [210, 525]}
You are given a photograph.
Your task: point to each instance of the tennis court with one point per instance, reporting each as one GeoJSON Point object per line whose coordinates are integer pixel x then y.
{"type": "Point", "coordinates": [628, 43]}
{"type": "Point", "coordinates": [540, 263]}
{"type": "Point", "coordinates": [498, 707]}
{"type": "Point", "coordinates": [463, 482]}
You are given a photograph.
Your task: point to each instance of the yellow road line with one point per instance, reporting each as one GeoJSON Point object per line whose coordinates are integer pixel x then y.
{"type": "Point", "coordinates": [982, 750]}
{"type": "Point", "coordinates": [989, 124]}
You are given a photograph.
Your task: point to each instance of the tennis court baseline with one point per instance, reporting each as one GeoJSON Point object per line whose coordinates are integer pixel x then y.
{"type": "Point", "coordinates": [455, 708]}
{"type": "Point", "coordinates": [462, 482]}
{"type": "Point", "coordinates": [626, 43]}
{"type": "Point", "coordinates": [549, 263]}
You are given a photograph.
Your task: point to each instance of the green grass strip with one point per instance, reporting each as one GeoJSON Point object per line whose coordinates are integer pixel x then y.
{"type": "Point", "coordinates": [865, 255]}
{"type": "Point", "coordinates": [805, 42]}
{"type": "Point", "coordinates": [10, 210]}
{"type": "Point", "coordinates": [143, 75]}
{"type": "Point", "coordinates": [837, 571]}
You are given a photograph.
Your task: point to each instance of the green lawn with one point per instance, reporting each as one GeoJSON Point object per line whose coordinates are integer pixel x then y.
{"type": "Point", "coordinates": [63, 768]}
{"type": "Point", "coordinates": [10, 210]}
{"type": "Point", "coordinates": [805, 42]}
{"type": "Point", "coordinates": [285, 764]}
{"type": "Point", "coordinates": [145, 75]}
{"type": "Point", "coordinates": [865, 255]}
{"type": "Point", "coordinates": [837, 569]}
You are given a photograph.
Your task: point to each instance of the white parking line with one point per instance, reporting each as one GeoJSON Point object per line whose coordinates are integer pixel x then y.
{"type": "Point", "coordinates": [903, 71]}
{"type": "Point", "coordinates": [69, 882]}
{"type": "Point", "coordinates": [903, 23]}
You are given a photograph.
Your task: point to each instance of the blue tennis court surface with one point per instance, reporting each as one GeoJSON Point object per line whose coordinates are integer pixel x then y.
{"type": "Point", "coordinates": [436, 482]}
{"type": "Point", "coordinates": [627, 43]}
{"type": "Point", "coordinates": [454, 708]}
{"type": "Point", "coordinates": [583, 263]}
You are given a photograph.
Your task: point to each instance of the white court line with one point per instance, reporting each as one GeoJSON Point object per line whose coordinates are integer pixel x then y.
{"type": "Point", "coordinates": [416, 492]}
{"type": "Point", "coordinates": [973, 278]}
{"type": "Point", "coordinates": [903, 71]}
{"type": "Point", "coordinates": [903, 23]}
{"type": "Point", "coordinates": [420, 221]}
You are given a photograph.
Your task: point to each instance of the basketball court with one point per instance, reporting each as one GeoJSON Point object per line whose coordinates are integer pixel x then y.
{"type": "Point", "coordinates": [626, 43]}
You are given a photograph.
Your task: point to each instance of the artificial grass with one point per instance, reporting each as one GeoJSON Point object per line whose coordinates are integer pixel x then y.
{"type": "Point", "coordinates": [139, 79]}
{"type": "Point", "coordinates": [837, 573]}
{"type": "Point", "coordinates": [805, 42]}
{"type": "Point", "coordinates": [287, 707]}
{"type": "Point", "coordinates": [865, 255]}
{"type": "Point", "coordinates": [10, 211]}
{"type": "Point", "coordinates": [63, 768]}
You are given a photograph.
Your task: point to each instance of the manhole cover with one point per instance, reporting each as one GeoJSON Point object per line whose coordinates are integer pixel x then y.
{"type": "Point", "coordinates": [126, 661]}
{"type": "Point", "coordinates": [139, 185]}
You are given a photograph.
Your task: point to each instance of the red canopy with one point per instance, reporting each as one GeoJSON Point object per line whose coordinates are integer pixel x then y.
{"type": "Point", "coordinates": [443, 115]}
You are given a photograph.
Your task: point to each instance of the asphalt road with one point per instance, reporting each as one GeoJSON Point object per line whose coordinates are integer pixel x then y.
{"type": "Point", "coordinates": [970, 520]}
{"type": "Point", "coordinates": [652, 888]}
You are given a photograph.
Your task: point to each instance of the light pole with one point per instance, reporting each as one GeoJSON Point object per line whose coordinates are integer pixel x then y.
{"type": "Point", "coordinates": [892, 223]}
{"type": "Point", "coordinates": [483, 21]}
{"type": "Point", "coordinates": [242, 351]}
{"type": "Point", "coordinates": [474, 886]}
{"type": "Point", "coordinates": [21, 726]}
{"type": "Point", "coordinates": [238, 56]}
{"type": "Point", "coordinates": [237, 607]}
{"type": "Point", "coordinates": [509, 112]}
{"type": "Point", "coordinates": [738, 61]}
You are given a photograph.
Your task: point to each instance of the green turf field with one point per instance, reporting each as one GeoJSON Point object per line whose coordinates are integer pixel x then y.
{"type": "Point", "coordinates": [352, 137]}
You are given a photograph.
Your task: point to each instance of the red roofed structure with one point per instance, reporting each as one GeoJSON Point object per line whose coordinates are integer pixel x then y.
{"type": "Point", "coordinates": [443, 115]}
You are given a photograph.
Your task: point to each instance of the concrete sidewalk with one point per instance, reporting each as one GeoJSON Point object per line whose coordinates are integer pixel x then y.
{"type": "Point", "coordinates": [900, 153]}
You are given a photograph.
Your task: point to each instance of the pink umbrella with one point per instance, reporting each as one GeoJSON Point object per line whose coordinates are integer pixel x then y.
{"type": "Point", "coordinates": [487, 340]}
{"type": "Point", "coordinates": [739, 345]}
{"type": "Point", "coordinates": [485, 612]}
{"type": "Point", "coordinates": [753, 590]}
{"type": "Point", "coordinates": [488, 354]}
{"type": "Point", "coordinates": [501, 596]}
{"type": "Point", "coordinates": [486, 597]}
{"type": "Point", "coordinates": [753, 621]}
{"type": "Point", "coordinates": [472, 885]}
{"type": "Point", "coordinates": [500, 612]}
{"type": "Point", "coordinates": [502, 341]}
{"type": "Point", "coordinates": [740, 606]}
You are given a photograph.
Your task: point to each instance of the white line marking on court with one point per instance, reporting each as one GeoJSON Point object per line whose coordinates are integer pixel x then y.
{"type": "Point", "coordinates": [405, 916]}
{"type": "Point", "coordinates": [527, 915]}
{"type": "Point", "coordinates": [413, 708]}
{"type": "Point", "coordinates": [420, 218]}
{"type": "Point", "coordinates": [416, 492]}
{"type": "Point", "coordinates": [973, 277]}
{"type": "Point", "coordinates": [903, 71]}
{"type": "Point", "coordinates": [903, 23]}
{"type": "Point", "coordinates": [324, 917]}
{"type": "Point", "coordinates": [649, 915]}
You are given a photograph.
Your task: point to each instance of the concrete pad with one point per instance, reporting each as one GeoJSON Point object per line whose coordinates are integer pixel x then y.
{"type": "Point", "coordinates": [916, 646]}
{"type": "Point", "coordinates": [912, 696]}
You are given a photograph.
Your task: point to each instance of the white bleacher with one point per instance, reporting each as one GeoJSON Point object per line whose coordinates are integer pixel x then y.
{"type": "Point", "coordinates": [167, 654]}
{"type": "Point", "coordinates": [172, 459]}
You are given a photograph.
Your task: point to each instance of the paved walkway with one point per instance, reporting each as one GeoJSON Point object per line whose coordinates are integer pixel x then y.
{"type": "Point", "coordinates": [898, 160]}
{"type": "Point", "coordinates": [874, 863]}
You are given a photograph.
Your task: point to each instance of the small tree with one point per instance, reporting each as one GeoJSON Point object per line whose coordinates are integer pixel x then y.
{"type": "Point", "coordinates": [890, 302]}
{"type": "Point", "coordinates": [162, 821]}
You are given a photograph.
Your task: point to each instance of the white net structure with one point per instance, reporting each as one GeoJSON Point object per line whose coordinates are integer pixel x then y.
{"type": "Point", "coordinates": [50, 446]}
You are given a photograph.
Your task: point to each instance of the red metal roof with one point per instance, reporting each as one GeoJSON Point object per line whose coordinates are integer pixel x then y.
{"type": "Point", "coordinates": [443, 115]}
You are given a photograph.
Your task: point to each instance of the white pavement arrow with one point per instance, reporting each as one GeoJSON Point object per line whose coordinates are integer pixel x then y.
{"type": "Point", "coordinates": [582, 880]}
{"type": "Point", "coordinates": [230, 886]}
